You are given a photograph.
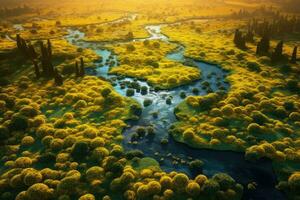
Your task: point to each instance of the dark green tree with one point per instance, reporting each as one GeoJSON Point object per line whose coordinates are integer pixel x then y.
{"type": "Point", "coordinates": [263, 46]}
{"type": "Point", "coordinates": [49, 48]}
{"type": "Point", "coordinates": [31, 52]}
{"type": "Point", "coordinates": [129, 36]}
{"type": "Point", "coordinates": [239, 40]}
{"type": "Point", "coordinates": [277, 54]}
{"type": "Point", "coordinates": [22, 46]}
{"type": "Point", "coordinates": [46, 60]}
{"type": "Point", "coordinates": [58, 78]}
{"type": "Point", "coordinates": [77, 71]}
{"type": "Point", "coordinates": [36, 70]}
{"type": "Point", "coordinates": [249, 36]}
{"type": "Point", "coordinates": [294, 55]}
{"type": "Point", "coordinates": [82, 71]}
{"type": "Point", "coordinates": [19, 43]}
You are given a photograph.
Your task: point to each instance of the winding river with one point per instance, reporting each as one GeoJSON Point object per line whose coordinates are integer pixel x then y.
{"type": "Point", "coordinates": [172, 155]}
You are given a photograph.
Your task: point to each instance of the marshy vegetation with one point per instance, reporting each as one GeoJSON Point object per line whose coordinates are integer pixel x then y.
{"type": "Point", "coordinates": [149, 100]}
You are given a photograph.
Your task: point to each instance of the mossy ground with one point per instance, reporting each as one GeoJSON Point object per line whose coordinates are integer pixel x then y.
{"type": "Point", "coordinates": [125, 30]}
{"type": "Point", "coordinates": [253, 116]}
{"type": "Point", "coordinates": [63, 142]}
{"type": "Point", "coordinates": [147, 60]}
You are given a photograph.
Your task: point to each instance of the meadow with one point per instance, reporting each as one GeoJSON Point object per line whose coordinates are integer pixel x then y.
{"type": "Point", "coordinates": [149, 100]}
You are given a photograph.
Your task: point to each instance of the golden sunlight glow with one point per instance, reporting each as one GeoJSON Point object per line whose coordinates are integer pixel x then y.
{"type": "Point", "coordinates": [149, 99]}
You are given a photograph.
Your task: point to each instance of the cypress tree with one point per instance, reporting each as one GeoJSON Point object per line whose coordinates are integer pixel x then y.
{"type": "Point", "coordinates": [277, 54]}
{"type": "Point", "coordinates": [77, 72]}
{"type": "Point", "coordinates": [237, 36]}
{"type": "Point", "coordinates": [19, 41]}
{"type": "Point", "coordinates": [44, 59]}
{"type": "Point", "coordinates": [51, 68]}
{"type": "Point", "coordinates": [263, 46]}
{"type": "Point", "coordinates": [22, 46]}
{"type": "Point", "coordinates": [249, 36]}
{"type": "Point", "coordinates": [36, 70]}
{"type": "Point", "coordinates": [82, 72]}
{"type": "Point", "coordinates": [239, 40]}
{"type": "Point", "coordinates": [31, 52]}
{"type": "Point", "coordinates": [58, 78]}
{"type": "Point", "coordinates": [243, 42]}
{"type": "Point", "coordinates": [294, 55]}
{"type": "Point", "coordinates": [49, 49]}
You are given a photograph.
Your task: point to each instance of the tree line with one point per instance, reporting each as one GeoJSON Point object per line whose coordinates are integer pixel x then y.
{"type": "Point", "coordinates": [43, 65]}
{"type": "Point", "coordinates": [261, 11]}
{"type": "Point", "coordinates": [278, 26]}
{"type": "Point", "coordinates": [10, 12]}
{"type": "Point", "coordinates": [263, 47]}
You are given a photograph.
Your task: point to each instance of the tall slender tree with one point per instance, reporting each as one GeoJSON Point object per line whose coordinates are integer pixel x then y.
{"type": "Point", "coordinates": [294, 55]}
{"type": "Point", "coordinates": [249, 36]}
{"type": "Point", "coordinates": [22, 46]}
{"type": "Point", "coordinates": [239, 40]}
{"type": "Point", "coordinates": [277, 54]}
{"type": "Point", "coordinates": [58, 79]}
{"type": "Point", "coordinates": [263, 46]}
{"type": "Point", "coordinates": [36, 70]}
{"type": "Point", "coordinates": [19, 41]}
{"type": "Point", "coordinates": [31, 52]}
{"type": "Point", "coordinates": [49, 49]}
{"type": "Point", "coordinates": [46, 59]}
{"type": "Point", "coordinates": [77, 71]}
{"type": "Point", "coordinates": [82, 71]}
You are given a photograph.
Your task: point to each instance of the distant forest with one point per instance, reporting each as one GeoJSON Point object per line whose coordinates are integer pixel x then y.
{"type": "Point", "coordinates": [10, 12]}
{"type": "Point", "coordinates": [292, 5]}
{"type": "Point", "coordinates": [289, 5]}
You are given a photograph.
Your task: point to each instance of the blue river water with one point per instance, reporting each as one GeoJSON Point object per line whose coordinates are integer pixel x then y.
{"type": "Point", "coordinates": [172, 155]}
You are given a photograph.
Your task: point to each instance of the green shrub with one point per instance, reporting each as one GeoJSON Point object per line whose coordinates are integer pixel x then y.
{"type": "Point", "coordinates": [87, 197]}
{"type": "Point", "coordinates": [18, 123]}
{"type": "Point", "coordinates": [196, 164]}
{"type": "Point", "coordinates": [68, 69]}
{"type": "Point", "coordinates": [150, 131]}
{"type": "Point", "coordinates": [130, 47]}
{"type": "Point", "coordinates": [254, 129]}
{"type": "Point", "coordinates": [136, 109]}
{"type": "Point", "coordinates": [292, 85]}
{"type": "Point", "coordinates": [253, 66]}
{"type": "Point", "coordinates": [294, 182]}
{"type": "Point", "coordinates": [169, 101]}
{"type": "Point", "coordinates": [180, 181]}
{"type": "Point", "coordinates": [195, 91]}
{"type": "Point", "coordinates": [94, 172]}
{"type": "Point", "coordinates": [224, 180]}
{"type": "Point", "coordinates": [134, 153]}
{"type": "Point", "coordinates": [141, 131]}
{"type": "Point", "coordinates": [193, 189]}
{"type": "Point", "coordinates": [4, 81]}
{"type": "Point", "coordinates": [259, 117]}
{"type": "Point", "coordinates": [32, 177]}
{"type": "Point", "coordinates": [147, 102]}
{"type": "Point", "coordinates": [164, 141]}
{"type": "Point", "coordinates": [4, 133]}
{"type": "Point", "coordinates": [80, 150]}
{"type": "Point", "coordinates": [130, 92]}
{"type": "Point", "coordinates": [39, 191]}
{"type": "Point", "coordinates": [182, 95]}
{"type": "Point", "coordinates": [144, 90]}
{"type": "Point", "coordinates": [289, 105]}
{"type": "Point", "coordinates": [210, 187]}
